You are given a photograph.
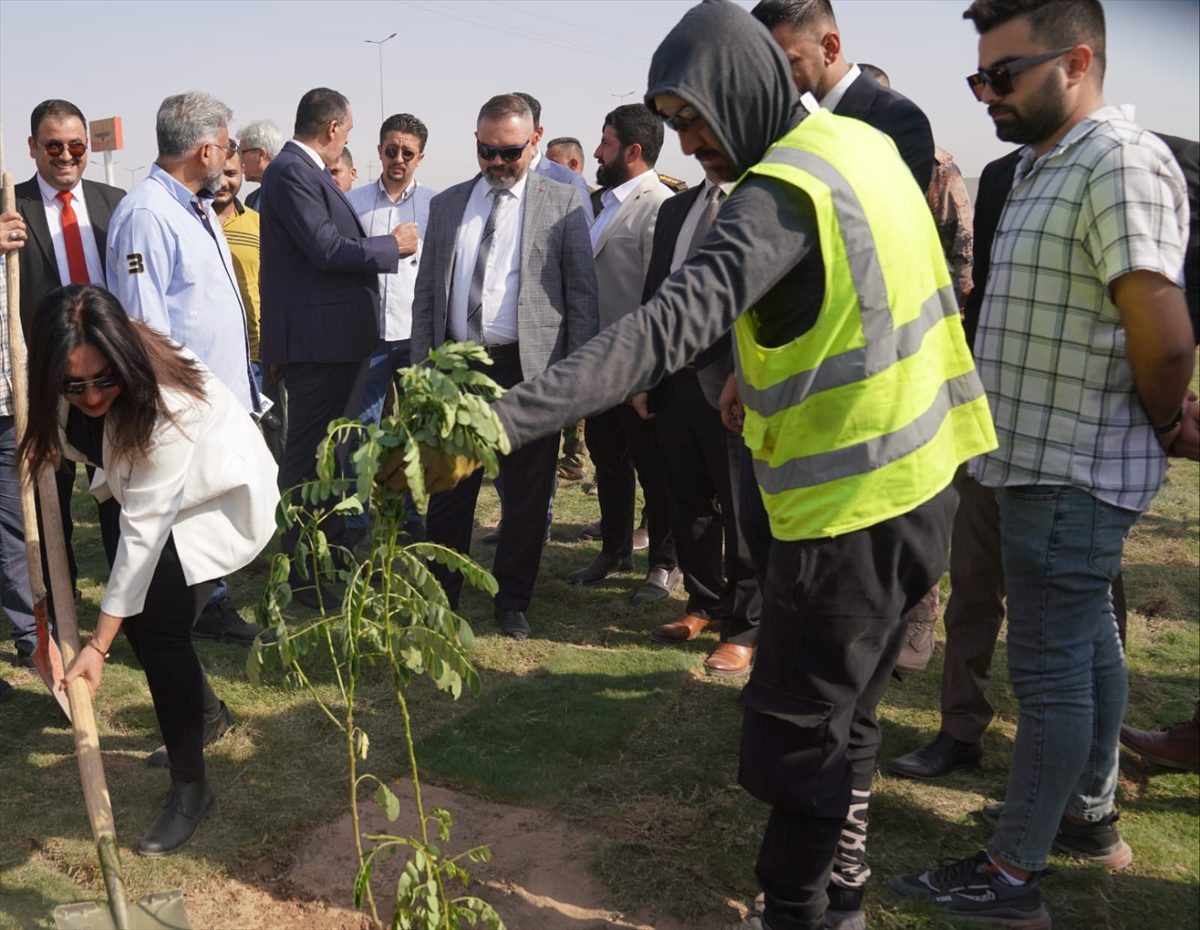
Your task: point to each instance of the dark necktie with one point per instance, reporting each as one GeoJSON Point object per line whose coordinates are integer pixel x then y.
{"type": "Point", "coordinates": [76, 263]}
{"type": "Point", "coordinates": [487, 245]}
{"type": "Point", "coordinates": [712, 205]}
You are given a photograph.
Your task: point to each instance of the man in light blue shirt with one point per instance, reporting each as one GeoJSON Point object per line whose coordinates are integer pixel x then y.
{"type": "Point", "coordinates": [169, 265]}
{"type": "Point", "coordinates": [168, 262]}
{"type": "Point", "coordinates": [396, 199]}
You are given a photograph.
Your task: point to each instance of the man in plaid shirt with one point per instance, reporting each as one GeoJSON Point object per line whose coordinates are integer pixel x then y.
{"type": "Point", "coordinates": [1085, 350]}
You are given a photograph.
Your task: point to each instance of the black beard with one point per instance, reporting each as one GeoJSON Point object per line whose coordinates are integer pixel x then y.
{"type": "Point", "coordinates": [1044, 113]}
{"type": "Point", "coordinates": [613, 175]}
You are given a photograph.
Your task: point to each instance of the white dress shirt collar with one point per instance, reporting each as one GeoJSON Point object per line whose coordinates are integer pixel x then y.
{"type": "Point", "coordinates": [404, 194]}
{"type": "Point", "coordinates": [621, 191]}
{"type": "Point", "coordinates": [311, 153]}
{"type": "Point", "coordinates": [838, 90]}
{"type": "Point", "coordinates": [50, 194]}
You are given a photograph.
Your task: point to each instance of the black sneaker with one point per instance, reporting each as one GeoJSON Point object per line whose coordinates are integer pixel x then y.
{"type": "Point", "coordinates": [220, 621]}
{"type": "Point", "coordinates": [973, 889]}
{"type": "Point", "coordinates": [1098, 842]}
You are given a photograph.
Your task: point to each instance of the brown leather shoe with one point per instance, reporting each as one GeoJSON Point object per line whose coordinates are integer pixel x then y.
{"type": "Point", "coordinates": [685, 628]}
{"type": "Point", "coordinates": [1176, 747]}
{"type": "Point", "coordinates": [729, 660]}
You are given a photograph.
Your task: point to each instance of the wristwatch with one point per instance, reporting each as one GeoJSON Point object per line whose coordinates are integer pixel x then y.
{"type": "Point", "coordinates": [92, 643]}
{"type": "Point", "coordinates": [1171, 424]}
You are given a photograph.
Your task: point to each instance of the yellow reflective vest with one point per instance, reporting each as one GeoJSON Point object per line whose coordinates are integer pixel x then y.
{"type": "Point", "coordinates": [866, 415]}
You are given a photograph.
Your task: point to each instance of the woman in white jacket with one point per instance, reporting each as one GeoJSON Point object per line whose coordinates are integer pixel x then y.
{"type": "Point", "coordinates": [197, 490]}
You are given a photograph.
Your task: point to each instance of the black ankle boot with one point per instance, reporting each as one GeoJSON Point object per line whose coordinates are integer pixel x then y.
{"type": "Point", "coordinates": [214, 728]}
{"type": "Point", "coordinates": [188, 805]}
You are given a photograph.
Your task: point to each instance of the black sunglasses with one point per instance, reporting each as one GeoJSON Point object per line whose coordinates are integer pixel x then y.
{"type": "Point", "coordinates": [508, 153]}
{"type": "Point", "coordinates": [1000, 78]}
{"type": "Point", "coordinates": [391, 151]}
{"type": "Point", "coordinates": [54, 148]}
{"type": "Point", "coordinates": [75, 388]}
{"type": "Point", "coordinates": [682, 119]}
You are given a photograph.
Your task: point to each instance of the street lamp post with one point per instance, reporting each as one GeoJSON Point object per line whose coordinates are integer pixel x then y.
{"type": "Point", "coordinates": [378, 43]}
{"type": "Point", "coordinates": [621, 97]}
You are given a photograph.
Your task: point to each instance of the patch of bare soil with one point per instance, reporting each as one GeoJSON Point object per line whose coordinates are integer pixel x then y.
{"type": "Point", "coordinates": [538, 877]}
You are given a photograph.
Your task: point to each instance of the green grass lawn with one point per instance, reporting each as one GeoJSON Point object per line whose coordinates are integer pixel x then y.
{"type": "Point", "coordinates": [589, 720]}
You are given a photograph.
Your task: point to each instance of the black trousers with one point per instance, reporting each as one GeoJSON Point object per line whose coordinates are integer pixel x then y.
{"type": "Point", "coordinates": [702, 463]}
{"type": "Point", "coordinates": [831, 629]}
{"type": "Point", "coordinates": [161, 637]}
{"type": "Point", "coordinates": [317, 393]}
{"type": "Point", "coordinates": [528, 477]}
{"type": "Point", "coordinates": [624, 450]}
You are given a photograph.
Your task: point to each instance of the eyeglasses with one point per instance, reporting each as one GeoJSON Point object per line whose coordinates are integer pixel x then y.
{"type": "Point", "coordinates": [247, 151]}
{"type": "Point", "coordinates": [76, 388]}
{"type": "Point", "coordinates": [390, 152]}
{"type": "Point", "coordinates": [508, 153]}
{"type": "Point", "coordinates": [54, 148]}
{"type": "Point", "coordinates": [1000, 78]}
{"type": "Point", "coordinates": [230, 147]}
{"type": "Point", "coordinates": [682, 119]}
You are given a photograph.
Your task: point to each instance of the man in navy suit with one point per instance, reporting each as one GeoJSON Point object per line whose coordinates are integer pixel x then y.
{"type": "Point", "coordinates": [319, 287]}
{"type": "Point", "coordinates": [808, 35]}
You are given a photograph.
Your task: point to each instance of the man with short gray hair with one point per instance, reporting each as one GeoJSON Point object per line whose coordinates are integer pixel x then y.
{"type": "Point", "coordinates": [258, 143]}
{"type": "Point", "coordinates": [170, 266]}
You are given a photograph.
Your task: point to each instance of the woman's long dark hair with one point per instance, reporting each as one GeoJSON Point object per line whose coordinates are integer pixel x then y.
{"type": "Point", "coordinates": [141, 360]}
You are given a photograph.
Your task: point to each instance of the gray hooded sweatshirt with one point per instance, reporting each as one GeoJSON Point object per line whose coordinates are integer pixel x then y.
{"type": "Point", "coordinates": [761, 252]}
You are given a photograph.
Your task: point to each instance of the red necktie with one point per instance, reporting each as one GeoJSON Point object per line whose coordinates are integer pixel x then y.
{"type": "Point", "coordinates": [76, 263]}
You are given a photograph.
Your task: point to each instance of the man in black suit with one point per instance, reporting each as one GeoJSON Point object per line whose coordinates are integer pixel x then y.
{"type": "Point", "coordinates": [808, 34]}
{"type": "Point", "coordinates": [702, 462]}
{"type": "Point", "coordinates": [319, 283]}
{"type": "Point", "coordinates": [66, 221]}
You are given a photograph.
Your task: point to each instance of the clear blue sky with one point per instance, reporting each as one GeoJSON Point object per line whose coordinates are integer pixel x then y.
{"type": "Point", "coordinates": [576, 56]}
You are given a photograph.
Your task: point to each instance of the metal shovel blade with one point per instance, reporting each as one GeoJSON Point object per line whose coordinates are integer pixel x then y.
{"type": "Point", "coordinates": [162, 910]}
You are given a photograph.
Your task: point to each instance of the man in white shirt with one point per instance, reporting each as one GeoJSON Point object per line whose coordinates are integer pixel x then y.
{"type": "Point", "coordinates": [396, 199]}
{"type": "Point", "coordinates": [622, 443]}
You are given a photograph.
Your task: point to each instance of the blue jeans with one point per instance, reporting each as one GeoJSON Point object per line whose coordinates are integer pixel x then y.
{"type": "Point", "coordinates": [382, 366]}
{"type": "Point", "coordinates": [15, 595]}
{"type": "Point", "coordinates": [1062, 550]}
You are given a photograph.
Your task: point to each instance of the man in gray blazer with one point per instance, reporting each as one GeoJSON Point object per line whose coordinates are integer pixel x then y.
{"type": "Point", "coordinates": [507, 264]}
{"type": "Point", "coordinates": [623, 445]}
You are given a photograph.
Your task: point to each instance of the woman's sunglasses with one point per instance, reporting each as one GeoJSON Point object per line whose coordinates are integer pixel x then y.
{"type": "Point", "coordinates": [75, 388]}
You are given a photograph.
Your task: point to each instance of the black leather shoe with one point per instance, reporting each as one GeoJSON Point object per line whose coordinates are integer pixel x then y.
{"type": "Point", "coordinates": [188, 805]}
{"type": "Point", "coordinates": [942, 756]}
{"type": "Point", "coordinates": [591, 531]}
{"type": "Point", "coordinates": [222, 622]}
{"type": "Point", "coordinates": [304, 592]}
{"type": "Point", "coordinates": [214, 729]}
{"type": "Point", "coordinates": [491, 537]}
{"type": "Point", "coordinates": [513, 623]}
{"type": "Point", "coordinates": [659, 583]}
{"type": "Point", "coordinates": [600, 568]}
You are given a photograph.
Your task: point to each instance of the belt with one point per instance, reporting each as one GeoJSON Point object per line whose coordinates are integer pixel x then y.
{"type": "Point", "coordinates": [504, 350]}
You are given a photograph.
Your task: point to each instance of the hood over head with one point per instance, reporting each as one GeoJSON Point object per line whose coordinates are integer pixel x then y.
{"type": "Point", "coordinates": [723, 61]}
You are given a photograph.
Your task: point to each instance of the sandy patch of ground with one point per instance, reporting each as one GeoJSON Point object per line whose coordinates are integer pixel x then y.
{"type": "Point", "coordinates": [538, 877]}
